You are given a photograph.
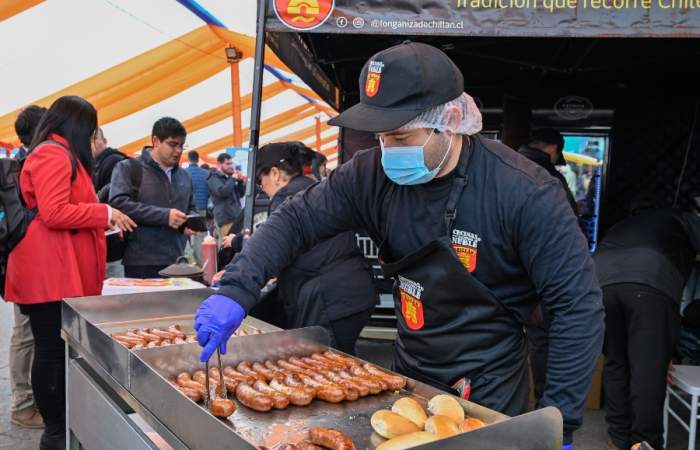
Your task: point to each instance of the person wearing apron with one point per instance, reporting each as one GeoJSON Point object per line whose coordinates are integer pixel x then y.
{"type": "Point", "coordinates": [472, 233]}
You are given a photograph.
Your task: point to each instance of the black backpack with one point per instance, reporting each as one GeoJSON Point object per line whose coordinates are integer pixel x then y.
{"type": "Point", "coordinates": [115, 245]}
{"type": "Point", "coordinates": [15, 217]}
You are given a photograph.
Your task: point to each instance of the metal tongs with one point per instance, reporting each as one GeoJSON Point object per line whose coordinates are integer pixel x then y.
{"type": "Point", "coordinates": [222, 385]}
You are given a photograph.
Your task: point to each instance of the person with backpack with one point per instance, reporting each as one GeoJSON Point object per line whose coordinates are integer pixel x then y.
{"type": "Point", "coordinates": [63, 251]}
{"type": "Point", "coordinates": [158, 195]}
{"type": "Point", "coordinates": [23, 410]}
{"type": "Point", "coordinates": [105, 160]}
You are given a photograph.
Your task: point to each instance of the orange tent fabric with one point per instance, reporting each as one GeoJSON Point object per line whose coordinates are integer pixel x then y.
{"type": "Point", "coordinates": [153, 76]}
{"type": "Point", "coordinates": [9, 8]}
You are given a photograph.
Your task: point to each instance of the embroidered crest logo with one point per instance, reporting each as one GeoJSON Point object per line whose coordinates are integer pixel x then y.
{"type": "Point", "coordinates": [374, 78]}
{"type": "Point", "coordinates": [466, 246]}
{"type": "Point", "coordinates": [411, 304]}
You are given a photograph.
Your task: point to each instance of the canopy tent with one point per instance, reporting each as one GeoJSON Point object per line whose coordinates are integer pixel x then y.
{"type": "Point", "coordinates": [134, 70]}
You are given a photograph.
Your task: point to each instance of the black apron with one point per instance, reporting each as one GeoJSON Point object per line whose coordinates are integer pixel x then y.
{"type": "Point", "coordinates": [450, 326]}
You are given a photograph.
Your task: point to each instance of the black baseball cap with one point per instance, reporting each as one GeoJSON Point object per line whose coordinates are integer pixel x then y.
{"type": "Point", "coordinates": [552, 137]}
{"type": "Point", "coordinates": [398, 84]}
{"type": "Point", "coordinates": [273, 154]}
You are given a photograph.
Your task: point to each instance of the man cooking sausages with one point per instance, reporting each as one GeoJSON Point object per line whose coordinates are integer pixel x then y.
{"type": "Point", "coordinates": [471, 231]}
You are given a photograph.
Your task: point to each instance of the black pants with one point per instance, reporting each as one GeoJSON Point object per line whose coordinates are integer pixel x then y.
{"type": "Point", "coordinates": [48, 367]}
{"type": "Point", "coordinates": [143, 271]}
{"type": "Point", "coordinates": [346, 331]}
{"type": "Point", "coordinates": [642, 326]}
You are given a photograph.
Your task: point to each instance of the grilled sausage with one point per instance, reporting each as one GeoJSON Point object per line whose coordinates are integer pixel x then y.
{"type": "Point", "coordinates": [175, 330]}
{"type": "Point", "coordinates": [319, 365]}
{"type": "Point", "coordinates": [184, 380]}
{"type": "Point", "coordinates": [320, 357]}
{"type": "Point", "coordinates": [245, 369]}
{"type": "Point", "coordinates": [192, 394]}
{"type": "Point", "coordinates": [395, 382]}
{"type": "Point", "coordinates": [362, 373]}
{"type": "Point", "coordinates": [133, 339]}
{"type": "Point", "coordinates": [298, 362]}
{"type": "Point", "coordinates": [236, 375]}
{"type": "Point", "coordinates": [296, 396]}
{"type": "Point", "coordinates": [150, 337]}
{"type": "Point", "coordinates": [333, 439]}
{"type": "Point", "coordinates": [327, 392]}
{"type": "Point", "coordinates": [267, 373]}
{"type": "Point", "coordinates": [342, 359]}
{"type": "Point", "coordinates": [363, 391]}
{"type": "Point", "coordinates": [294, 368]}
{"type": "Point", "coordinates": [221, 407]}
{"type": "Point", "coordinates": [373, 386]}
{"type": "Point", "coordinates": [253, 399]}
{"type": "Point", "coordinates": [161, 334]}
{"type": "Point", "coordinates": [293, 380]}
{"type": "Point", "coordinates": [279, 400]}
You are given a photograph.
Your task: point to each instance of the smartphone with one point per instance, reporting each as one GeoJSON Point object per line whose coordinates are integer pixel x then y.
{"type": "Point", "coordinates": [196, 222]}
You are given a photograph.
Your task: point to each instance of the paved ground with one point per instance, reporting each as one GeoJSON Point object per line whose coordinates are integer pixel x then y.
{"type": "Point", "coordinates": [592, 436]}
{"type": "Point", "coordinates": [11, 436]}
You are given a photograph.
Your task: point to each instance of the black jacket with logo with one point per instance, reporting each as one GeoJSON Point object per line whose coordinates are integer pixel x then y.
{"type": "Point", "coordinates": [525, 236]}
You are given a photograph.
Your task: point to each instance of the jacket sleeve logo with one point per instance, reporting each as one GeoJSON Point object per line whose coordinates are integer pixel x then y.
{"type": "Point", "coordinates": [411, 304]}
{"type": "Point", "coordinates": [374, 78]}
{"type": "Point", "coordinates": [303, 14]}
{"type": "Point", "coordinates": [466, 246]}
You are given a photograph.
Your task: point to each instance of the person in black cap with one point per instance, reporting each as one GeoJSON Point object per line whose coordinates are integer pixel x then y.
{"type": "Point", "coordinates": [329, 285]}
{"type": "Point", "coordinates": [545, 148]}
{"type": "Point", "coordinates": [472, 232]}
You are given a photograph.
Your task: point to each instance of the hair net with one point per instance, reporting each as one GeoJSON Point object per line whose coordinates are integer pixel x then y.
{"type": "Point", "coordinates": [440, 117]}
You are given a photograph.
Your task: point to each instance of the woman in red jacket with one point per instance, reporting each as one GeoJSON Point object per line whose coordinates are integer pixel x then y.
{"type": "Point", "coordinates": [63, 253]}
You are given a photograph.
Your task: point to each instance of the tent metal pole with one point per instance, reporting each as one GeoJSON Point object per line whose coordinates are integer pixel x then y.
{"type": "Point", "coordinates": [256, 106]}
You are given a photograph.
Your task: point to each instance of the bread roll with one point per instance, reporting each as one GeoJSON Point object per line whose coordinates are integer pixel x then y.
{"type": "Point", "coordinates": [389, 424]}
{"type": "Point", "coordinates": [446, 405]}
{"type": "Point", "coordinates": [441, 426]}
{"type": "Point", "coordinates": [411, 410]}
{"type": "Point", "coordinates": [408, 441]}
{"type": "Point", "coordinates": [471, 424]}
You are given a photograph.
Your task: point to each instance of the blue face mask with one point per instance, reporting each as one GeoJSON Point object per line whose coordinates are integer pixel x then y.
{"type": "Point", "coordinates": [406, 165]}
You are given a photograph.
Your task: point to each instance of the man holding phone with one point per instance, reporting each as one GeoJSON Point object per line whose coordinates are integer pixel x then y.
{"type": "Point", "coordinates": [158, 196]}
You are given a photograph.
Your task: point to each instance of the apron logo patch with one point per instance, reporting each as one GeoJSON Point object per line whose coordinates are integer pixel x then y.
{"type": "Point", "coordinates": [411, 305]}
{"type": "Point", "coordinates": [374, 77]}
{"type": "Point", "coordinates": [466, 246]}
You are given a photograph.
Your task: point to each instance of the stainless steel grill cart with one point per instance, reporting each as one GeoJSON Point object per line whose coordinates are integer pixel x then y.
{"type": "Point", "coordinates": [122, 399]}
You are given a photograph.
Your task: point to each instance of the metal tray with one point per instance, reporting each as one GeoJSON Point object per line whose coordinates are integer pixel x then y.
{"type": "Point", "coordinates": [88, 320]}
{"type": "Point", "coordinates": [251, 429]}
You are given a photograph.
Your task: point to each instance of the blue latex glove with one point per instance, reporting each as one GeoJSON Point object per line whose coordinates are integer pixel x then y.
{"type": "Point", "coordinates": [216, 320]}
{"type": "Point", "coordinates": [567, 447]}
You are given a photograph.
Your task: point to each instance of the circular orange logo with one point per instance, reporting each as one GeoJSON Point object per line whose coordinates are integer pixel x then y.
{"type": "Point", "coordinates": [303, 15]}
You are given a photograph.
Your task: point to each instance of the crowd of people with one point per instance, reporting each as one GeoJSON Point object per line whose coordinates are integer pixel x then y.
{"type": "Point", "coordinates": [85, 195]}
{"type": "Point", "coordinates": [483, 243]}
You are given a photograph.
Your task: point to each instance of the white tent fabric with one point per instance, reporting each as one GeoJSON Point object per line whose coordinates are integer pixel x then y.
{"type": "Point", "coordinates": [60, 42]}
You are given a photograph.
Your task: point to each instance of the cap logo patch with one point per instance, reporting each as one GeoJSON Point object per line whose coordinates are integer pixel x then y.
{"type": "Point", "coordinates": [374, 78]}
